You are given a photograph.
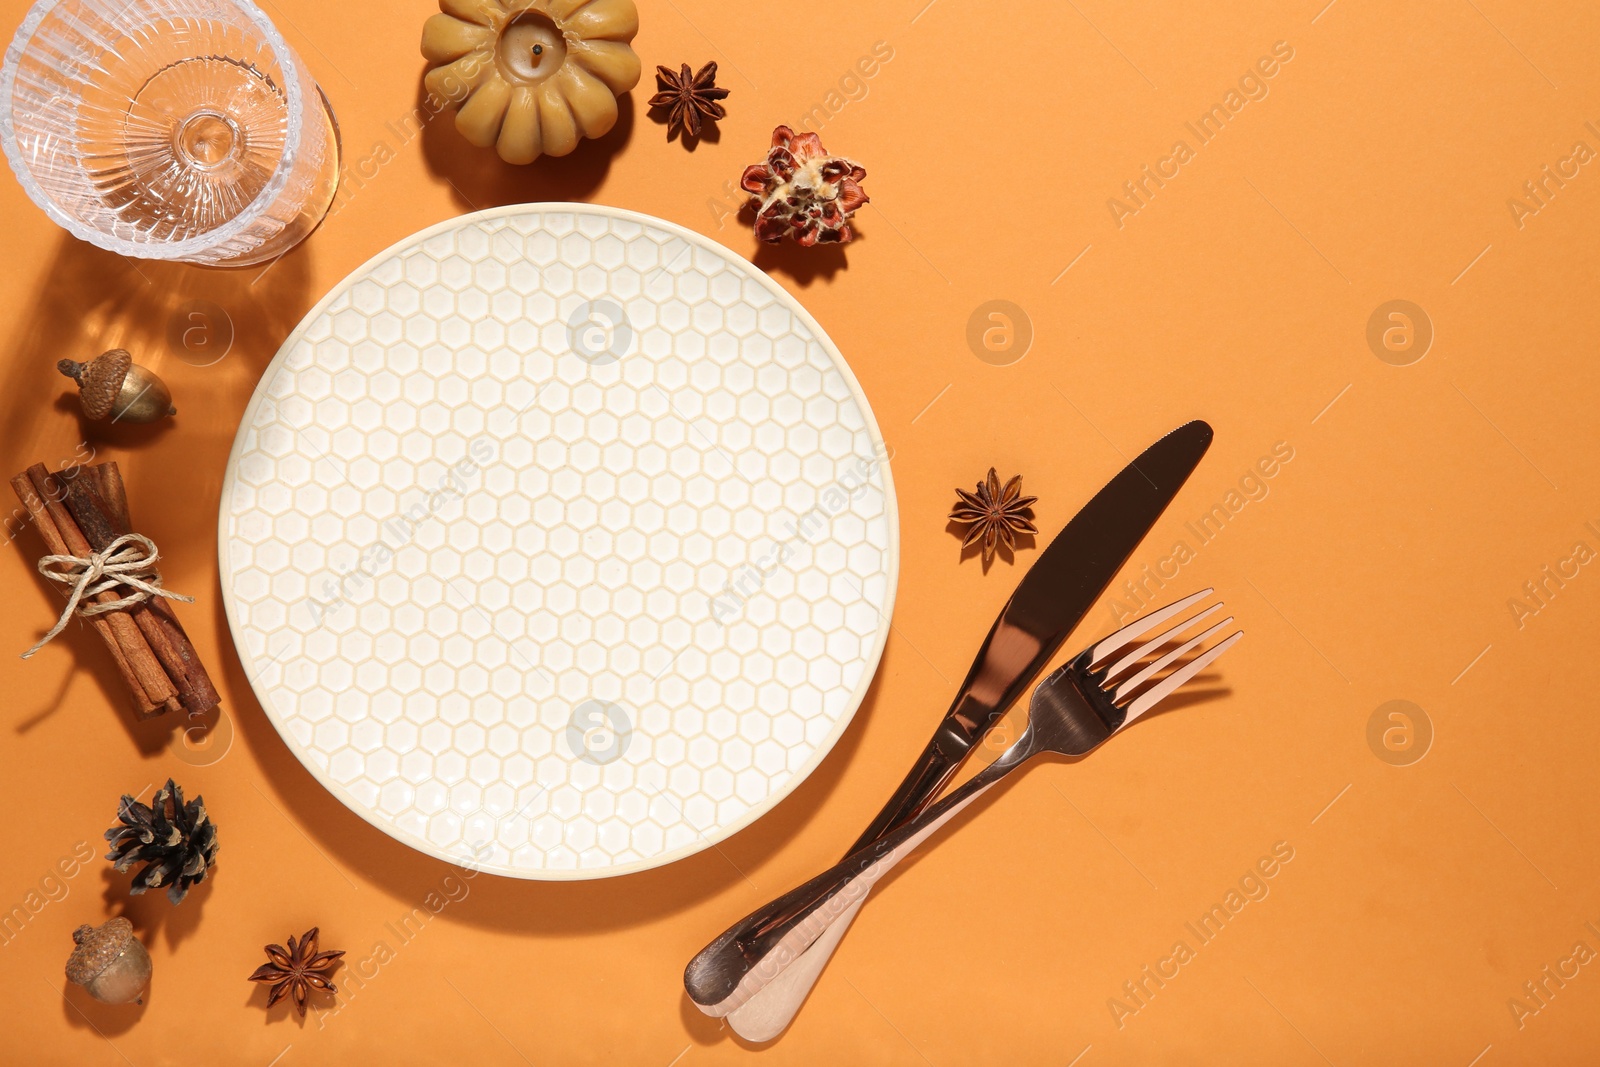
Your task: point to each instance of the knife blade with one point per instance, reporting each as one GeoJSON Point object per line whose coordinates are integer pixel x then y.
{"type": "Point", "coordinates": [1049, 601]}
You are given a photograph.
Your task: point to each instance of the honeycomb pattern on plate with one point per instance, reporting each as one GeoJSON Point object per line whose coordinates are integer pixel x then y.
{"type": "Point", "coordinates": [559, 541]}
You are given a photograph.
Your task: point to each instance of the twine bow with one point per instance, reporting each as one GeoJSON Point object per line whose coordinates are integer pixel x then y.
{"type": "Point", "coordinates": [129, 561]}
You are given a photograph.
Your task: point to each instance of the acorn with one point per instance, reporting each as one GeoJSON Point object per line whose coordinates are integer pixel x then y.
{"type": "Point", "coordinates": [110, 962]}
{"type": "Point", "coordinates": [113, 386]}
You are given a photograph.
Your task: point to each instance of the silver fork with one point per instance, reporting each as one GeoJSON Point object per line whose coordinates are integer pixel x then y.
{"type": "Point", "coordinates": [1094, 695]}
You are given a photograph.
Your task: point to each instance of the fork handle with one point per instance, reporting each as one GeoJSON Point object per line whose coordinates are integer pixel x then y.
{"type": "Point", "coordinates": [773, 1004]}
{"type": "Point", "coordinates": [769, 1012]}
{"type": "Point", "coordinates": [757, 958]}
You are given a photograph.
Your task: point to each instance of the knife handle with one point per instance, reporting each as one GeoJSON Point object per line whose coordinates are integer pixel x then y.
{"type": "Point", "coordinates": [933, 769]}
{"type": "Point", "coordinates": [753, 936]}
{"type": "Point", "coordinates": [727, 960]}
{"type": "Point", "coordinates": [838, 909]}
{"type": "Point", "coordinates": [737, 965]}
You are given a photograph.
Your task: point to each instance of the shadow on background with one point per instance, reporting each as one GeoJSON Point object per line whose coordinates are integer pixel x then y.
{"type": "Point", "coordinates": [151, 913]}
{"type": "Point", "coordinates": [803, 265]}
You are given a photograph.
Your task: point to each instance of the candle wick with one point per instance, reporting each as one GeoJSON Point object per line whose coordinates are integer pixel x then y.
{"type": "Point", "coordinates": [538, 49]}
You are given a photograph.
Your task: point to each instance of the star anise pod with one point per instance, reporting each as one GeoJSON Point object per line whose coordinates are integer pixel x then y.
{"type": "Point", "coordinates": [298, 971]}
{"type": "Point", "coordinates": [994, 514]}
{"type": "Point", "coordinates": [688, 98]}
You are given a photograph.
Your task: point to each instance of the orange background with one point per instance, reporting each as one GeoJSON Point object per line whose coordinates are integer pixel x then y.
{"type": "Point", "coordinates": [1379, 567]}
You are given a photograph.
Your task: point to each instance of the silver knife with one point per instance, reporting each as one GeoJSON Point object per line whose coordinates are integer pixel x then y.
{"type": "Point", "coordinates": [1050, 600]}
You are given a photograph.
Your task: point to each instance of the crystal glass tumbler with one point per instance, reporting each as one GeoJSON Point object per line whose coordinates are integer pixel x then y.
{"type": "Point", "coordinates": [168, 129]}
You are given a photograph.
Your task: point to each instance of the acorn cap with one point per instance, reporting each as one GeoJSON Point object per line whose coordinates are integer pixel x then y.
{"type": "Point", "coordinates": [99, 381]}
{"type": "Point", "coordinates": [98, 947]}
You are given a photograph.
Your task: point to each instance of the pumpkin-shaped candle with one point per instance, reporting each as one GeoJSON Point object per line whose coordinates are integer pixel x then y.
{"type": "Point", "coordinates": [532, 77]}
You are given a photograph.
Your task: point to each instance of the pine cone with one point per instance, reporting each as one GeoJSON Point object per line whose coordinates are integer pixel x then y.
{"type": "Point", "coordinates": [176, 842]}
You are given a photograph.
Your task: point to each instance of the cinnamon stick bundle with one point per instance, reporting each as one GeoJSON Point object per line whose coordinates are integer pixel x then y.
{"type": "Point", "coordinates": [80, 514]}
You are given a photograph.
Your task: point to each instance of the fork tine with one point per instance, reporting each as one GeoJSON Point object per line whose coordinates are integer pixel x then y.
{"type": "Point", "coordinates": [1164, 688]}
{"type": "Point", "coordinates": [1140, 626]}
{"type": "Point", "coordinates": [1127, 687]}
{"type": "Point", "coordinates": [1117, 669]}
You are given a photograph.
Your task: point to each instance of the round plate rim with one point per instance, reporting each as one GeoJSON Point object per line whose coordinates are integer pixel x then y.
{"type": "Point", "coordinates": [705, 840]}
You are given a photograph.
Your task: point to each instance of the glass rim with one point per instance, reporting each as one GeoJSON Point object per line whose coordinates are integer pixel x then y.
{"type": "Point", "coordinates": [294, 92]}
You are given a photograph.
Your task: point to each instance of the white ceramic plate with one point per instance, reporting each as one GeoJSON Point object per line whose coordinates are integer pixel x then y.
{"type": "Point", "coordinates": [560, 540]}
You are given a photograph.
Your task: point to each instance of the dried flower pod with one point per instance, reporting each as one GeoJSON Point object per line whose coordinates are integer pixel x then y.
{"type": "Point", "coordinates": [802, 192]}
{"type": "Point", "coordinates": [113, 386]}
{"type": "Point", "coordinates": [531, 77]}
{"type": "Point", "coordinates": [110, 962]}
